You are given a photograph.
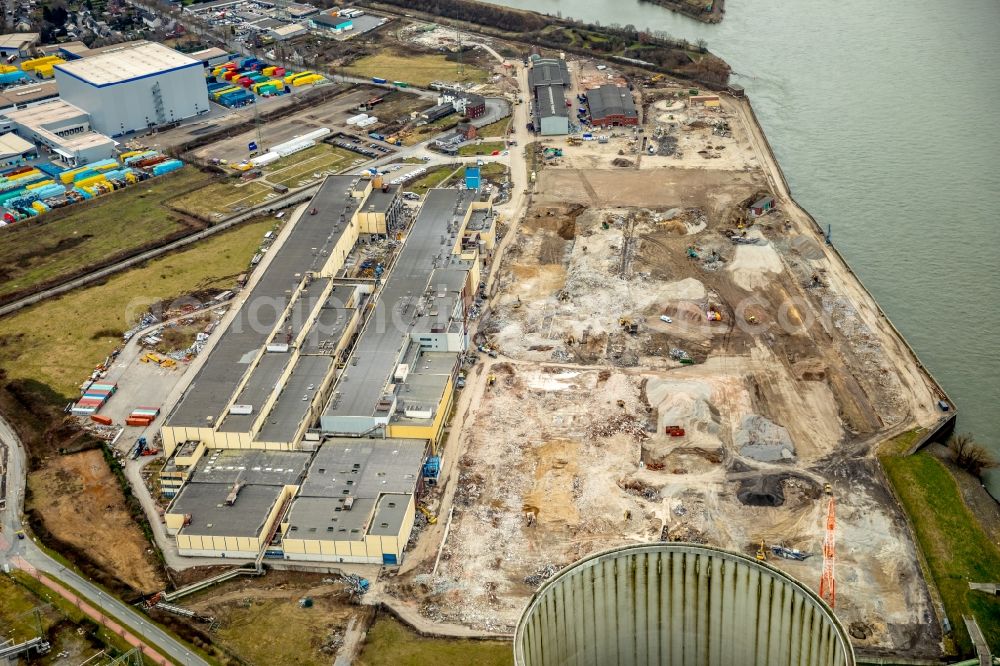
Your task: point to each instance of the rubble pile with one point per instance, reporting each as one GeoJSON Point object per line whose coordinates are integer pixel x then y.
{"type": "Point", "coordinates": [542, 574]}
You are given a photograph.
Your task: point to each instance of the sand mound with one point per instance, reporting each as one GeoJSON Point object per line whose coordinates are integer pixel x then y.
{"type": "Point", "coordinates": [752, 264]}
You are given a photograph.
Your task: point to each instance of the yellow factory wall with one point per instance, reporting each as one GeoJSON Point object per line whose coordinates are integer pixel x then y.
{"type": "Point", "coordinates": [173, 521]}
{"type": "Point", "coordinates": [372, 223]}
{"type": "Point", "coordinates": [371, 546]}
{"type": "Point", "coordinates": [194, 542]}
{"type": "Point", "coordinates": [474, 275]}
{"type": "Point", "coordinates": [175, 436]}
{"type": "Point", "coordinates": [430, 431]}
{"type": "Point", "coordinates": [339, 252]}
{"type": "Point", "coordinates": [224, 543]}
{"type": "Point", "coordinates": [187, 461]}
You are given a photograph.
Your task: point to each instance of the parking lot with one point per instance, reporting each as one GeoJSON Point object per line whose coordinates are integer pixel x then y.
{"type": "Point", "coordinates": [331, 114]}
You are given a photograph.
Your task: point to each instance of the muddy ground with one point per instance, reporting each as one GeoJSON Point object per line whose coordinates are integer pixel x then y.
{"type": "Point", "coordinates": [296, 631]}
{"type": "Point", "coordinates": [79, 503]}
{"type": "Point", "coordinates": [608, 425]}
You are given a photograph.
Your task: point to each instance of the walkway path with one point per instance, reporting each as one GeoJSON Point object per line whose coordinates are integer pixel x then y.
{"type": "Point", "coordinates": [25, 554]}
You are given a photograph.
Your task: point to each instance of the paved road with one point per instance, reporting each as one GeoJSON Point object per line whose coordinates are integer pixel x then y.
{"type": "Point", "coordinates": [25, 554]}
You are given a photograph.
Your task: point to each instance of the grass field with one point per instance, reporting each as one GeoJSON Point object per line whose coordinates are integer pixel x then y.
{"type": "Point", "coordinates": [432, 178]}
{"type": "Point", "coordinates": [484, 148]}
{"type": "Point", "coordinates": [494, 171]}
{"type": "Point", "coordinates": [389, 642]}
{"type": "Point", "coordinates": [957, 550]}
{"type": "Point", "coordinates": [298, 169]}
{"type": "Point", "coordinates": [222, 199]}
{"type": "Point", "coordinates": [59, 341]}
{"type": "Point", "coordinates": [34, 253]}
{"type": "Point", "coordinates": [499, 128]}
{"type": "Point", "coordinates": [417, 70]}
{"type": "Point", "coordinates": [424, 132]}
{"type": "Point", "coordinates": [67, 628]}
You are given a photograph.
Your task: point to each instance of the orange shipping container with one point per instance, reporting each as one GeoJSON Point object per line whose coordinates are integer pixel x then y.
{"type": "Point", "coordinates": [103, 420]}
{"type": "Point", "coordinates": [138, 421]}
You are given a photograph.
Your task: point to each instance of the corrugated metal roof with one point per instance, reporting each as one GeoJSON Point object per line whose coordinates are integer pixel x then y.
{"type": "Point", "coordinates": [550, 100]}
{"type": "Point", "coordinates": [611, 100]}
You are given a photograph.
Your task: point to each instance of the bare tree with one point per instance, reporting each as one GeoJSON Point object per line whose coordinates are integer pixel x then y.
{"type": "Point", "coordinates": [969, 455]}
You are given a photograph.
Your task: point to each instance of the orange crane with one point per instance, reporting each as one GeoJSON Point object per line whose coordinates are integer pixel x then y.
{"type": "Point", "coordinates": [827, 582]}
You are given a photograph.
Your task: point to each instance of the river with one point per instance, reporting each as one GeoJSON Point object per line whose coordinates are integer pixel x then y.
{"type": "Point", "coordinates": [884, 119]}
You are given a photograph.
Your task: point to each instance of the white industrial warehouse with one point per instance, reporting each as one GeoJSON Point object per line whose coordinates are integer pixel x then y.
{"type": "Point", "coordinates": [139, 86]}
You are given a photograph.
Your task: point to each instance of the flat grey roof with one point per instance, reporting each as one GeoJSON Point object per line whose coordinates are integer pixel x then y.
{"type": "Point", "coordinates": [296, 398]}
{"type": "Point", "coordinates": [611, 100]}
{"type": "Point", "coordinates": [379, 201]}
{"type": "Point", "coordinates": [364, 468]}
{"type": "Point", "coordinates": [325, 333]}
{"type": "Point", "coordinates": [306, 248]}
{"type": "Point", "coordinates": [256, 391]}
{"type": "Point", "coordinates": [206, 504]}
{"type": "Point", "coordinates": [445, 280]}
{"type": "Point", "coordinates": [251, 466]}
{"type": "Point", "coordinates": [389, 515]}
{"type": "Point", "coordinates": [325, 519]}
{"type": "Point", "coordinates": [435, 363]}
{"type": "Point", "coordinates": [428, 246]}
{"type": "Point", "coordinates": [421, 391]}
{"type": "Point", "coordinates": [264, 377]}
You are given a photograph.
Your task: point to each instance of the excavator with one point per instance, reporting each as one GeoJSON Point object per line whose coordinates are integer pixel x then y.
{"type": "Point", "coordinates": [431, 518]}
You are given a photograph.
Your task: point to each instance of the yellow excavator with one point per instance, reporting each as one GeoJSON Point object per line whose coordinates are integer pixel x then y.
{"type": "Point", "coordinates": [431, 518]}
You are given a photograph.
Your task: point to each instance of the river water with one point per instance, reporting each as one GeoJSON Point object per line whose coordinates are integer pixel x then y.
{"type": "Point", "coordinates": [885, 121]}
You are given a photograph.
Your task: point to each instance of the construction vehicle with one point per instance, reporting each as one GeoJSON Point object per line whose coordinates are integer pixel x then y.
{"type": "Point", "coordinates": [751, 319]}
{"type": "Point", "coordinates": [19, 534]}
{"type": "Point", "coordinates": [140, 446]}
{"type": "Point", "coordinates": [789, 553]}
{"type": "Point", "coordinates": [491, 380]}
{"type": "Point", "coordinates": [629, 326]}
{"type": "Point", "coordinates": [431, 518]}
{"type": "Point", "coordinates": [828, 580]}
{"type": "Point", "coordinates": [761, 553]}
{"type": "Point", "coordinates": [161, 361]}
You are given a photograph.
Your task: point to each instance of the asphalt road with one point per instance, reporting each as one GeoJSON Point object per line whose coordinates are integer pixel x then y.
{"type": "Point", "coordinates": [12, 550]}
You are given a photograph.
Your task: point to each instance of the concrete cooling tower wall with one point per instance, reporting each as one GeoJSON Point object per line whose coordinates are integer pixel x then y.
{"type": "Point", "coordinates": [675, 604]}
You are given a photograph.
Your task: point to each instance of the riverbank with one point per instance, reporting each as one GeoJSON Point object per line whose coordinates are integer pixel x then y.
{"type": "Point", "coordinates": [695, 10]}
{"type": "Point", "coordinates": [958, 544]}
{"type": "Point", "coordinates": [529, 30]}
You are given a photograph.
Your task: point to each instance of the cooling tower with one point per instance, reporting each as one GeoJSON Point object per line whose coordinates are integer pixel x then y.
{"type": "Point", "coordinates": [675, 604]}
